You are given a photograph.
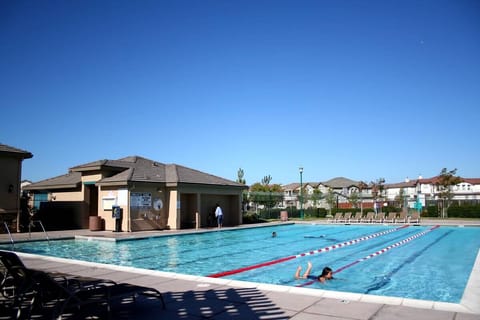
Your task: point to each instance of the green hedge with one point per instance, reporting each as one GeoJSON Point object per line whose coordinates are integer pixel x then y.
{"type": "Point", "coordinates": [250, 217]}
{"type": "Point", "coordinates": [292, 213]}
{"type": "Point", "coordinates": [467, 211]}
{"type": "Point", "coordinates": [431, 211]}
{"type": "Point", "coordinates": [455, 211]}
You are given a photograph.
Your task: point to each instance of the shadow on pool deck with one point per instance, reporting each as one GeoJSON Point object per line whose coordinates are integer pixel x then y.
{"type": "Point", "coordinates": [247, 303]}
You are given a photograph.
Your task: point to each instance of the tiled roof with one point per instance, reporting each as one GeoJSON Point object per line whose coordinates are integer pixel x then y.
{"type": "Point", "coordinates": [472, 180]}
{"type": "Point", "coordinates": [406, 184]}
{"type": "Point", "coordinates": [96, 165]}
{"type": "Point", "coordinates": [145, 170]}
{"type": "Point", "coordinates": [123, 176]}
{"type": "Point", "coordinates": [291, 186]}
{"type": "Point", "coordinates": [296, 185]}
{"type": "Point", "coordinates": [314, 184]}
{"type": "Point", "coordinates": [436, 179]}
{"type": "Point", "coordinates": [137, 169]}
{"type": "Point", "coordinates": [11, 151]}
{"type": "Point", "coordinates": [340, 182]}
{"type": "Point", "coordinates": [69, 180]}
{"type": "Point", "coordinates": [187, 175]}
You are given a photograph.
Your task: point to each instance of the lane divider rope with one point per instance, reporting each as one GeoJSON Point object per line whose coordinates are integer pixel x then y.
{"type": "Point", "coordinates": [321, 250]}
{"type": "Point", "coordinates": [377, 253]}
{"type": "Point", "coordinates": [387, 278]}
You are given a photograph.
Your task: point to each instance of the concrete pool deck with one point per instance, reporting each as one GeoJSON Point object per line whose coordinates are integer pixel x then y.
{"type": "Point", "coordinates": [193, 297]}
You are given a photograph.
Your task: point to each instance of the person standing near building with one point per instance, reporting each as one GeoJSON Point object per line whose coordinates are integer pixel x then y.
{"type": "Point", "coordinates": [219, 216]}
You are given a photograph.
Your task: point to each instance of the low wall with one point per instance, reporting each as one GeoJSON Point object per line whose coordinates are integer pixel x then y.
{"type": "Point", "coordinates": [63, 215]}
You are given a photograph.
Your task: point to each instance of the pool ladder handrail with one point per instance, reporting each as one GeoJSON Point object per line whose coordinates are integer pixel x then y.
{"type": "Point", "coordinates": [9, 234]}
{"type": "Point", "coordinates": [32, 223]}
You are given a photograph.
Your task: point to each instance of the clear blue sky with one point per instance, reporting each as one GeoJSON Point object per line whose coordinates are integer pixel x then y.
{"type": "Point", "coordinates": [359, 89]}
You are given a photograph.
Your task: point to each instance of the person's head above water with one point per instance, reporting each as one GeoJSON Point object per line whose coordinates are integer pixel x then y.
{"type": "Point", "coordinates": [327, 274]}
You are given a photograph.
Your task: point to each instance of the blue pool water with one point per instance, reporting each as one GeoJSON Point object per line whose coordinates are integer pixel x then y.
{"type": "Point", "coordinates": [425, 263]}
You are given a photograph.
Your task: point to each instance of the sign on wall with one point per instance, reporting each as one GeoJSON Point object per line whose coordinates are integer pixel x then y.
{"type": "Point", "coordinates": [108, 202]}
{"type": "Point", "coordinates": [140, 199]}
{"type": "Point", "coordinates": [122, 197]}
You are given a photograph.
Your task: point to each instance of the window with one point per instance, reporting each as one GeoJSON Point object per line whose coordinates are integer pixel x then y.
{"type": "Point", "coordinates": [39, 198]}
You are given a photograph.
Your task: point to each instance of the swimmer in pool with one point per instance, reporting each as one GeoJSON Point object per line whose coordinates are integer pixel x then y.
{"type": "Point", "coordinates": [327, 273]}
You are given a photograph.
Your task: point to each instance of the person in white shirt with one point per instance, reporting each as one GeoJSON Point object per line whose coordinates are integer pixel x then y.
{"type": "Point", "coordinates": [219, 216]}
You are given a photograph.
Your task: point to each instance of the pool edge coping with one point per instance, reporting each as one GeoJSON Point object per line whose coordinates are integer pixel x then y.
{"type": "Point", "coordinates": [468, 303]}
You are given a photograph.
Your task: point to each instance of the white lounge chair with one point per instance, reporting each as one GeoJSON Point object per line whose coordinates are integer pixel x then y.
{"type": "Point", "coordinates": [390, 217]}
{"type": "Point", "coordinates": [338, 216]}
{"type": "Point", "coordinates": [346, 217]}
{"type": "Point", "coordinates": [415, 217]}
{"type": "Point", "coordinates": [368, 218]}
{"type": "Point", "coordinates": [380, 217]}
{"type": "Point", "coordinates": [357, 218]}
{"type": "Point", "coordinates": [402, 217]}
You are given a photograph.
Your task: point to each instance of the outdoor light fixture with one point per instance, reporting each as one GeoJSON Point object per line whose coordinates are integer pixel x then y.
{"type": "Point", "coordinates": [301, 193]}
{"type": "Point", "coordinates": [10, 188]}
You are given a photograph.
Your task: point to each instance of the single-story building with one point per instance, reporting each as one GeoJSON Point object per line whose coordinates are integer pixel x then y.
{"type": "Point", "coordinates": [149, 195]}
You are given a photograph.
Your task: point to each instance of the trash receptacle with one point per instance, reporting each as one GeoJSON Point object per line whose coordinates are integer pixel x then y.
{"type": "Point", "coordinates": [95, 223]}
{"type": "Point", "coordinates": [117, 216]}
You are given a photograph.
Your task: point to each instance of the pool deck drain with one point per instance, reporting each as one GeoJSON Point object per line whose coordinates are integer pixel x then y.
{"type": "Point", "coordinates": [195, 297]}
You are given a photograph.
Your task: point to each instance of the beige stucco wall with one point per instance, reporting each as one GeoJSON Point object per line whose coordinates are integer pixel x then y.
{"type": "Point", "coordinates": [205, 198]}
{"type": "Point", "coordinates": [10, 174]}
{"type": "Point", "coordinates": [92, 177]}
{"type": "Point", "coordinates": [76, 195]}
{"type": "Point", "coordinates": [134, 217]}
{"type": "Point", "coordinates": [173, 212]}
{"type": "Point", "coordinates": [68, 195]}
{"type": "Point", "coordinates": [107, 197]}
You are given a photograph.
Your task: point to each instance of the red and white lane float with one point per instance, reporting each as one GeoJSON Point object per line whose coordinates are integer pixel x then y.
{"type": "Point", "coordinates": [377, 253]}
{"type": "Point", "coordinates": [326, 249]}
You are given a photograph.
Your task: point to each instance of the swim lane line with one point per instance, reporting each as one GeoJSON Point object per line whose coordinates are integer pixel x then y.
{"type": "Point", "coordinates": [326, 249]}
{"type": "Point", "coordinates": [386, 278]}
{"type": "Point", "coordinates": [377, 253]}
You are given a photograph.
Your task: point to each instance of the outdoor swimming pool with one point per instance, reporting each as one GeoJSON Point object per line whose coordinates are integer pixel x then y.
{"type": "Point", "coordinates": [420, 262]}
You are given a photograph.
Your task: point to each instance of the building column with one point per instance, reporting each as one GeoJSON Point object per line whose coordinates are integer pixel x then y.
{"type": "Point", "coordinates": [239, 209]}
{"type": "Point", "coordinates": [198, 209]}
{"type": "Point", "coordinates": [174, 210]}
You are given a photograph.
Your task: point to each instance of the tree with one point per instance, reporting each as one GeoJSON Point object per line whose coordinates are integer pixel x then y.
{"type": "Point", "coordinates": [240, 176]}
{"type": "Point", "coordinates": [377, 188]}
{"type": "Point", "coordinates": [444, 184]}
{"type": "Point", "coordinates": [316, 196]}
{"type": "Point", "coordinates": [331, 199]}
{"type": "Point", "coordinates": [266, 180]}
{"type": "Point", "coordinates": [354, 199]}
{"type": "Point", "coordinates": [303, 195]}
{"type": "Point", "coordinates": [400, 199]}
{"type": "Point", "coordinates": [266, 194]}
{"type": "Point", "coordinates": [275, 196]}
{"type": "Point", "coordinates": [241, 179]}
{"type": "Point", "coordinates": [361, 186]}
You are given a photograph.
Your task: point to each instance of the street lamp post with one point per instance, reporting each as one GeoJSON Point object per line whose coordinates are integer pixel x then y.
{"type": "Point", "coordinates": [301, 194]}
